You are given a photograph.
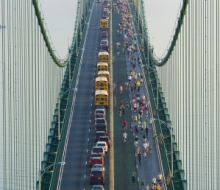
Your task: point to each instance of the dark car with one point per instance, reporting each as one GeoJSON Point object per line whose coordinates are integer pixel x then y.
{"type": "Point", "coordinates": [99, 134]}
{"type": "Point", "coordinates": [101, 127]}
{"type": "Point", "coordinates": [99, 110]}
{"type": "Point", "coordinates": [101, 121]}
{"type": "Point", "coordinates": [96, 159]}
{"type": "Point", "coordinates": [97, 176]}
{"type": "Point", "coordinates": [106, 139]}
{"type": "Point", "coordinates": [104, 48]}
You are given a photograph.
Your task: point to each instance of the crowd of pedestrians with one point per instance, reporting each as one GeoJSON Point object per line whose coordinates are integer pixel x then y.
{"type": "Point", "coordinates": [141, 123]}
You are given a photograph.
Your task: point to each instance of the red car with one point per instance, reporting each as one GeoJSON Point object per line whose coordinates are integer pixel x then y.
{"type": "Point", "coordinates": [106, 139]}
{"type": "Point", "coordinates": [96, 159]}
{"type": "Point", "coordinates": [98, 134]}
{"type": "Point", "coordinates": [97, 176]}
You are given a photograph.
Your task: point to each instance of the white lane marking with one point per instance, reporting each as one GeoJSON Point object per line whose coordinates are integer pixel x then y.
{"type": "Point", "coordinates": [137, 166]}
{"type": "Point", "coordinates": [90, 113]}
{"type": "Point", "coordinates": [84, 175]}
{"type": "Point", "coordinates": [86, 163]}
{"type": "Point", "coordinates": [92, 97]}
{"type": "Point", "coordinates": [89, 122]}
{"type": "Point", "coordinates": [88, 140]}
{"type": "Point", "coordinates": [89, 130]}
{"type": "Point", "coordinates": [87, 150]}
{"type": "Point", "coordinates": [138, 178]}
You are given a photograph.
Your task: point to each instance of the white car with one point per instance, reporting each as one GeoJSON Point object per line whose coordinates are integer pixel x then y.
{"type": "Point", "coordinates": [98, 166]}
{"type": "Point", "coordinates": [102, 144]}
{"type": "Point", "coordinates": [98, 150]}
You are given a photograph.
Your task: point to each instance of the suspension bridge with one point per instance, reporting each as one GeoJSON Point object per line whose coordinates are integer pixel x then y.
{"type": "Point", "coordinates": [47, 103]}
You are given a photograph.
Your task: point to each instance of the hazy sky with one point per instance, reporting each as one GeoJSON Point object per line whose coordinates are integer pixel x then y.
{"type": "Point", "coordinates": [60, 18]}
{"type": "Point", "coordinates": [161, 18]}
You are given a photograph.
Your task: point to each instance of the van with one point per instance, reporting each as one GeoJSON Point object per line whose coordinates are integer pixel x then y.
{"type": "Point", "coordinates": [104, 74]}
{"type": "Point", "coordinates": [101, 83]}
{"type": "Point", "coordinates": [103, 56]}
{"type": "Point", "coordinates": [101, 66]}
{"type": "Point", "coordinates": [101, 98]}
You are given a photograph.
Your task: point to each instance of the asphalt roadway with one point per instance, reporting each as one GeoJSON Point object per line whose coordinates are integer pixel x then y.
{"type": "Point", "coordinates": [81, 138]}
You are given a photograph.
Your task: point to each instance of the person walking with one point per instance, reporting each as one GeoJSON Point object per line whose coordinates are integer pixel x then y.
{"type": "Point", "coordinates": [125, 124]}
{"type": "Point", "coordinates": [121, 103]}
{"type": "Point", "coordinates": [139, 157]}
{"type": "Point", "coordinates": [134, 178]}
{"type": "Point", "coordinates": [127, 105]}
{"type": "Point", "coordinates": [126, 85]}
{"type": "Point", "coordinates": [140, 113]}
{"type": "Point", "coordinates": [120, 111]}
{"type": "Point", "coordinates": [147, 129]}
{"type": "Point", "coordinates": [145, 155]}
{"type": "Point", "coordinates": [114, 85]}
{"type": "Point", "coordinates": [144, 137]}
{"type": "Point", "coordinates": [150, 149]}
{"type": "Point", "coordinates": [143, 183]}
{"type": "Point", "coordinates": [147, 187]}
{"type": "Point", "coordinates": [123, 110]}
{"type": "Point", "coordinates": [155, 138]}
{"type": "Point", "coordinates": [125, 136]}
{"type": "Point", "coordinates": [121, 89]}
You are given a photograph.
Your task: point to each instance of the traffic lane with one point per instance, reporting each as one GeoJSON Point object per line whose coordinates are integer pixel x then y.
{"type": "Point", "coordinates": [76, 156]}
{"type": "Point", "coordinates": [90, 145]}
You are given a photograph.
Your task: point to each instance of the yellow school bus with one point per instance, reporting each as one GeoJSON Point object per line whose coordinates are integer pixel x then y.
{"type": "Point", "coordinates": [101, 83]}
{"type": "Point", "coordinates": [104, 74]}
{"type": "Point", "coordinates": [103, 57]}
{"type": "Point", "coordinates": [101, 98]}
{"type": "Point", "coordinates": [101, 66]}
{"type": "Point", "coordinates": [104, 24]}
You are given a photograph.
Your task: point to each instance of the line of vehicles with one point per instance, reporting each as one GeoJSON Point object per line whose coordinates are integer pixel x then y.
{"type": "Point", "coordinates": [102, 82]}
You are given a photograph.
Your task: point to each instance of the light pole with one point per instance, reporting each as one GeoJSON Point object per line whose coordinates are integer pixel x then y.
{"type": "Point", "coordinates": [156, 81]}
{"type": "Point", "coordinates": [45, 170]}
{"type": "Point", "coordinates": [171, 140]}
{"type": "Point", "coordinates": [59, 98]}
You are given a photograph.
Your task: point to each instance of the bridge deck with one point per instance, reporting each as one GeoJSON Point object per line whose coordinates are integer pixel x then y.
{"type": "Point", "coordinates": [125, 160]}
{"type": "Point", "coordinates": [76, 172]}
